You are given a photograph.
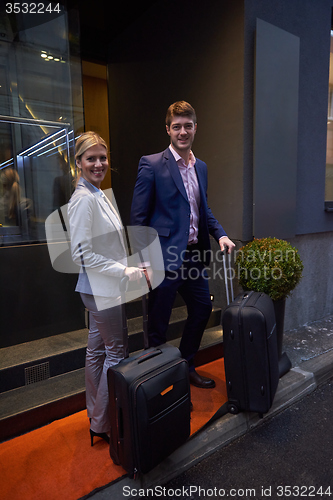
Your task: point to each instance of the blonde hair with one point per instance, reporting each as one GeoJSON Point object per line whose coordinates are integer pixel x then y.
{"type": "Point", "coordinates": [10, 179]}
{"type": "Point", "coordinates": [87, 140]}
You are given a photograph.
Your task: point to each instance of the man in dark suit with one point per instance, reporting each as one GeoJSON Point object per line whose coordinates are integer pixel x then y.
{"type": "Point", "coordinates": [170, 195]}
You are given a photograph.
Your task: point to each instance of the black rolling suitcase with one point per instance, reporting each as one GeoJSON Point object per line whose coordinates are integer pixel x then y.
{"type": "Point", "coordinates": [250, 350]}
{"type": "Point", "coordinates": [149, 405]}
{"type": "Point", "coordinates": [250, 353]}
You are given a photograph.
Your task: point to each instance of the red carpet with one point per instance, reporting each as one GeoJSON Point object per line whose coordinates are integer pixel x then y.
{"type": "Point", "coordinates": [57, 462]}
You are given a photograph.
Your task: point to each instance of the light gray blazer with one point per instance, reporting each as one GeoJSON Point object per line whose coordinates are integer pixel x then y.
{"type": "Point", "coordinates": [97, 241]}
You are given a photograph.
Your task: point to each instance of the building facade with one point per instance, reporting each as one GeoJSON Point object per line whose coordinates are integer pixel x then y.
{"type": "Point", "coordinates": [256, 71]}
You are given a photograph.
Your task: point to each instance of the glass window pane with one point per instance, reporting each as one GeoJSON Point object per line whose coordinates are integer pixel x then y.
{"type": "Point", "coordinates": [36, 179]}
{"type": "Point", "coordinates": [40, 106]}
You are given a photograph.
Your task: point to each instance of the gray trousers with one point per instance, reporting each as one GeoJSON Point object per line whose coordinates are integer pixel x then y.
{"type": "Point", "coordinates": [106, 347]}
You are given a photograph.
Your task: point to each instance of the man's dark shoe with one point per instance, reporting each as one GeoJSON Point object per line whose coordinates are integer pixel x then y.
{"type": "Point", "coordinates": [202, 382]}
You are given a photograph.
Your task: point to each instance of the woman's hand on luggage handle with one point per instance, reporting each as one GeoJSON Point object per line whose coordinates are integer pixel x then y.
{"type": "Point", "coordinates": [225, 242]}
{"type": "Point", "coordinates": [133, 273]}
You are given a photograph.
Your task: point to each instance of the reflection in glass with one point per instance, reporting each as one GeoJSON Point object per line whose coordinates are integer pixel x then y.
{"type": "Point", "coordinates": [40, 107]}
{"type": "Point", "coordinates": [34, 181]}
{"type": "Point", "coordinates": [16, 211]}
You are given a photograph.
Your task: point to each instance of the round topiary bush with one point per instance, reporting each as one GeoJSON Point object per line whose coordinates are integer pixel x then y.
{"type": "Point", "coordinates": [269, 265]}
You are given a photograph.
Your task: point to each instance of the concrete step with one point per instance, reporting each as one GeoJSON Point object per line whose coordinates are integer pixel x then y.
{"type": "Point", "coordinates": [39, 360]}
{"type": "Point", "coordinates": [32, 406]}
{"type": "Point", "coordinates": [28, 407]}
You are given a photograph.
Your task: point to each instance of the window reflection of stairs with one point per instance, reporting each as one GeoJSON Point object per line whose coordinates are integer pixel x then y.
{"type": "Point", "coordinates": [43, 380]}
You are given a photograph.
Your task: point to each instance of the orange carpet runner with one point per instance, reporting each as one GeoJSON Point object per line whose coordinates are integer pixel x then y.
{"type": "Point", "coordinates": [57, 461]}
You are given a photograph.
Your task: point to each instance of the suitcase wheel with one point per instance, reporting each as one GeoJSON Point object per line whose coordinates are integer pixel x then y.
{"type": "Point", "coordinates": [233, 409]}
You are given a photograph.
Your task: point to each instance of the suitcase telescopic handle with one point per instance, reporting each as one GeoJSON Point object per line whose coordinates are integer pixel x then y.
{"type": "Point", "coordinates": [123, 283]}
{"type": "Point", "coordinates": [124, 280]}
{"type": "Point", "coordinates": [226, 278]}
{"type": "Point", "coordinates": [123, 288]}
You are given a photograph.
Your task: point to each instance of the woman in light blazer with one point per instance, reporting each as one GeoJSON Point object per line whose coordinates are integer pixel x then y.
{"type": "Point", "coordinates": [98, 246]}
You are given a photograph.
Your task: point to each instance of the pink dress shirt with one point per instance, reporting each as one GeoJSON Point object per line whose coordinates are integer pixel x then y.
{"type": "Point", "coordinates": [190, 181]}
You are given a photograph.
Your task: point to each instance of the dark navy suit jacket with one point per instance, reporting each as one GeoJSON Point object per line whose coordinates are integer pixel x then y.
{"type": "Point", "coordinates": [160, 201]}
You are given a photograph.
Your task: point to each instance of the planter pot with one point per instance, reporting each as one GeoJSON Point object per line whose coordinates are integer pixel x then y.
{"type": "Point", "coordinates": [279, 308]}
{"type": "Point", "coordinates": [284, 361]}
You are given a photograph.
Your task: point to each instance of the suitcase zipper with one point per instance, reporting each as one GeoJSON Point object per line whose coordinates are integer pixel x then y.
{"type": "Point", "coordinates": [245, 299]}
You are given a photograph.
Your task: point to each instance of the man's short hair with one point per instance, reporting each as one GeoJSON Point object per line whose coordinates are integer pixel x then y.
{"type": "Point", "coordinates": [180, 108]}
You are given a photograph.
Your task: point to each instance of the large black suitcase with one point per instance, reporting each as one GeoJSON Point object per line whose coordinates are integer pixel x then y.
{"type": "Point", "coordinates": [250, 353]}
{"type": "Point", "coordinates": [149, 406]}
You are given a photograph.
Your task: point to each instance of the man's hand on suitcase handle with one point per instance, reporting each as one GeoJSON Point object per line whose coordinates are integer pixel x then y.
{"type": "Point", "coordinates": [226, 244]}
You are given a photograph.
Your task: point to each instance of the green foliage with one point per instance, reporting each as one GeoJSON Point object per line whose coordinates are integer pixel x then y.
{"type": "Point", "coordinates": [269, 265]}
